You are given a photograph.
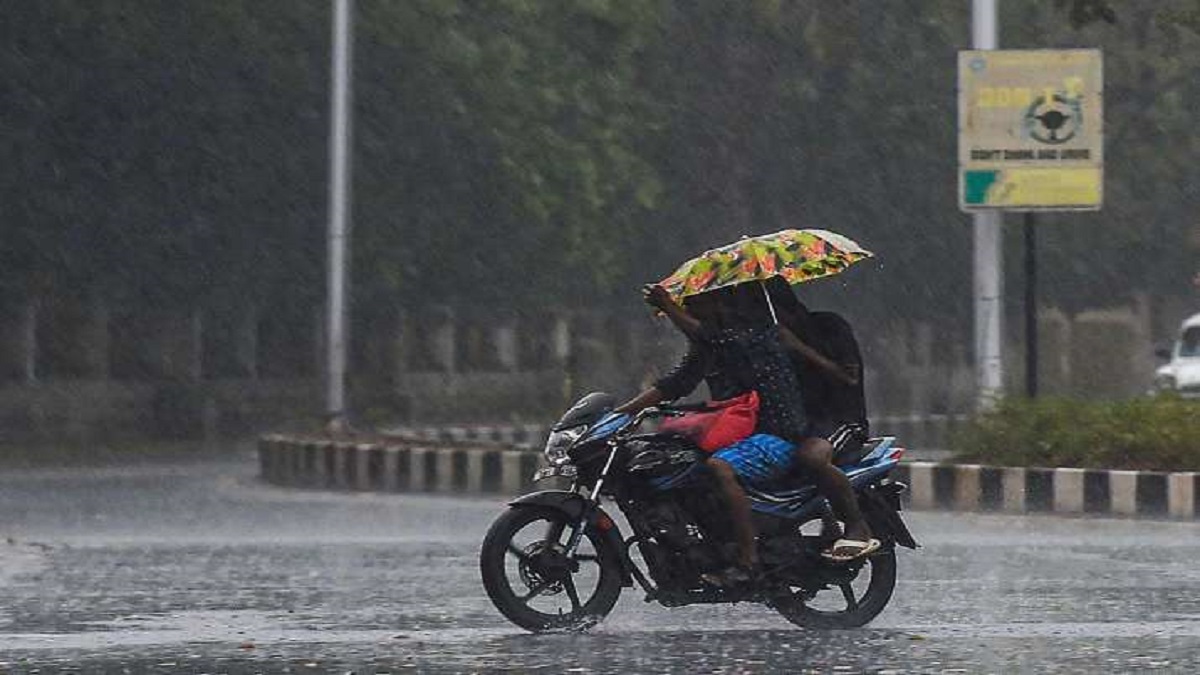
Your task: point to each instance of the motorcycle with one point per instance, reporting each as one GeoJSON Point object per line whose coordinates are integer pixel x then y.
{"type": "Point", "coordinates": [556, 560]}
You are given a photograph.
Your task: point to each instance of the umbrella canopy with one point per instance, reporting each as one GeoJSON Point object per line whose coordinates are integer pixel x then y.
{"type": "Point", "coordinates": [795, 255]}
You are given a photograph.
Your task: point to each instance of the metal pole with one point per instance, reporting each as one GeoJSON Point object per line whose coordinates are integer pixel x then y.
{"type": "Point", "coordinates": [989, 278]}
{"type": "Point", "coordinates": [1031, 327]}
{"type": "Point", "coordinates": [339, 212]}
{"type": "Point", "coordinates": [770, 305]}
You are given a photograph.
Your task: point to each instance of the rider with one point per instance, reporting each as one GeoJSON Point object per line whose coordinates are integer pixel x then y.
{"type": "Point", "coordinates": [735, 349]}
{"type": "Point", "coordinates": [843, 409]}
{"type": "Point", "coordinates": [831, 382]}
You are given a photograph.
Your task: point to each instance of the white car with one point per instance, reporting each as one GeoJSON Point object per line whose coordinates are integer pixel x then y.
{"type": "Point", "coordinates": [1182, 371]}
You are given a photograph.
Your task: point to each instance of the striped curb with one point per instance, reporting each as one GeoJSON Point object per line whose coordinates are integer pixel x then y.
{"type": "Point", "coordinates": [400, 466]}
{"type": "Point", "coordinates": [425, 466]}
{"type": "Point", "coordinates": [513, 436]}
{"type": "Point", "coordinates": [966, 487]}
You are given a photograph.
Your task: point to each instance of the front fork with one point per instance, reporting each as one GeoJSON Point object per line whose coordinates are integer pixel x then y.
{"type": "Point", "coordinates": [584, 511]}
{"type": "Point", "coordinates": [592, 503]}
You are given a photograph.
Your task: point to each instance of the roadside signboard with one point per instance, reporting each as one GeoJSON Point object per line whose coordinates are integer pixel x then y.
{"type": "Point", "coordinates": [1030, 130]}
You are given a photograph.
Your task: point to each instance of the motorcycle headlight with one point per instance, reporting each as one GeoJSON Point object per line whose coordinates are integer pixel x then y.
{"type": "Point", "coordinates": [559, 442]}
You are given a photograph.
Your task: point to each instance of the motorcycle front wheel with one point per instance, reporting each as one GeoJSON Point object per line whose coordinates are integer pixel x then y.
{"type": "Point", "coordinates": [535, 583]}
{"type": "Point", "coordinates": [853, 596]}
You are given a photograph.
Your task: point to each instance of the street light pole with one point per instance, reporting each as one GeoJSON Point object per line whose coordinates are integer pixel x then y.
{"type": "Point", "coordinates": [1029, 230]}
{"type": "Point", "coordinates": [989, 276]}
{"type": "Point", "coordinates": [339, 213]}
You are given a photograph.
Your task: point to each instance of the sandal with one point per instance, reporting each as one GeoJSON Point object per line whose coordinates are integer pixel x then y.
{"type": "Point", "coordinates": [845, 550]}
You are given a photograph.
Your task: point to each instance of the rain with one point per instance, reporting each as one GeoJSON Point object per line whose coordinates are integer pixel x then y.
{"type": "Point", "coordinates": [232, 226]}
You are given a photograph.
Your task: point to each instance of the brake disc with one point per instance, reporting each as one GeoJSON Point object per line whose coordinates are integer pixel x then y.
{"type": "Point", "coordinates": [531, 570]}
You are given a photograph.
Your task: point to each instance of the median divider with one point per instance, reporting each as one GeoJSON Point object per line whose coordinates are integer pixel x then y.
{"type": "Point", "coordinates": [401, 465]}
{"type": "Point", "coordinates": [967, 487]}
{"type": "Point", "coordinates": [470, 466]}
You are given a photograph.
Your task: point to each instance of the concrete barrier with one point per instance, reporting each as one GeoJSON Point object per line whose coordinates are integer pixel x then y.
{"type": "Point", "coordinates": [464, 468]}
{"type": "Point", "coordinates": [395, 466]}
{"type": "Point", "coordinates": [1058, 490]}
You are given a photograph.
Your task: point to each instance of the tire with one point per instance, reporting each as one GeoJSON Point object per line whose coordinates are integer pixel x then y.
{"type": "Point", "coordinates": [512, 569]}
{"type": "Point", "coordinates": [807, 613]}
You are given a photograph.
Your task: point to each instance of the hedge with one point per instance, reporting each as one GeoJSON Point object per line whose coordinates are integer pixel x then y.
{"type": "Point", "coordinates": [1151, 434]}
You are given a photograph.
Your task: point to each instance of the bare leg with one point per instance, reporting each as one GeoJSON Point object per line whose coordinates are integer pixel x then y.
{"type": "Point", "coordinates": [815, 456]}
{"type": "Point", "coordinates": [831, 527]}
{"type": "Point", "coordinates": [739, 511]}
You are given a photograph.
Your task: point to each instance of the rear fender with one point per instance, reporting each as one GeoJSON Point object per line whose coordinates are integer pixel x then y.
{"type": "Point", "coordinates": [863, 475]}
{"type": "Point", "coordinates": [881, 507]}
{"type": "Point", "coordinates": [574, 506]}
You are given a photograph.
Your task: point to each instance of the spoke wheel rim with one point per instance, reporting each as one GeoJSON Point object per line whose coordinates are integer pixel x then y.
{"type": "Point", "coordinates": [847, 595]}
{"type": "Point", "coordinates": [543, 571]}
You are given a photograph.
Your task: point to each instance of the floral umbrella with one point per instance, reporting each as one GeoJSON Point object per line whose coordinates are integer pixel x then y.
{"type": "Point", "coordinates": [795, 255]}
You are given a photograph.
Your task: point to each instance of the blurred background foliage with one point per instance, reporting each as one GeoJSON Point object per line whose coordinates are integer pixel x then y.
{"type": "Point", "coordinates": [511, 153]}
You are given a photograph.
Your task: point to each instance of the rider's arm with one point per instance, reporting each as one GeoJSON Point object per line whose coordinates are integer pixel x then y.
{"type": "Point", "coordinates": [686, 375]}
{"type": "Point", "coordinates": [686, 323]}
{"type": "Point", "coordinates": [816, 358]}
{"type": "Point", "coordinates": [651, 396]}
{"type": "Point", "coordinates": [656, 296]}
{"type": "Point", "coordinates": [679, 382]}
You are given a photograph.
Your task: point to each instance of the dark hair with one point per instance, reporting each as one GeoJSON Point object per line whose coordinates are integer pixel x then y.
{"type": "Point", "coordinates": [748, 305]}
{"type": "Point", "coordinates": [703, 306]}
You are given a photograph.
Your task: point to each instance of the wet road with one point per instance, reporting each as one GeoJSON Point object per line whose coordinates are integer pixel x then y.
{"type": "Point", "coordinates": [194, 567]}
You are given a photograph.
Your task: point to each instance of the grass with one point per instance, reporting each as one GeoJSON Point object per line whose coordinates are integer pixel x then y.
{"type": "Point", "coordinates": [1152, 434]}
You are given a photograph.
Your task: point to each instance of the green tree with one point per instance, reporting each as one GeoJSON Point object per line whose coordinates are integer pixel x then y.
{"type": "Point", "coordinates": [498, 148]}
{"type": "Point", "coordinates": [1138, 244]}
{"type": "Point", "coordinates": [162, 154]}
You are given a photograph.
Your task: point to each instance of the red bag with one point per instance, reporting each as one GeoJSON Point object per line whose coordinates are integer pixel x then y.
{"type": "Point", "coordinates": [724, 423]}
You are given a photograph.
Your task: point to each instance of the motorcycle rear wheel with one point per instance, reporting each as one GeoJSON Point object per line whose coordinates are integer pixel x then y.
{"type": "Point", "coordinates": [859, 607]}
{"type": "Point", "coordinates": [518, 571]}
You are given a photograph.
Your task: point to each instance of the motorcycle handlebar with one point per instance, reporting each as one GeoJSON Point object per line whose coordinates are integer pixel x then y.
{"type": "Point", "coordinates": [681, 408]}
{"type": "Point", "coordinates": [663, 411]}
{"type": "Point", "coordinates": [659, 411]}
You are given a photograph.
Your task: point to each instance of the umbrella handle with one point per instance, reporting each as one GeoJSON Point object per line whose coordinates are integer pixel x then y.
{"type": "Point", "coordinates": [770, 305]}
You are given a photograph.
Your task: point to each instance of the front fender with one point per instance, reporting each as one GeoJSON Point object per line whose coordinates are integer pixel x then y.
{"type": "Point", "coordinates": [574, 506]}
{"type": "Point", "coordinates": [571, 503]}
